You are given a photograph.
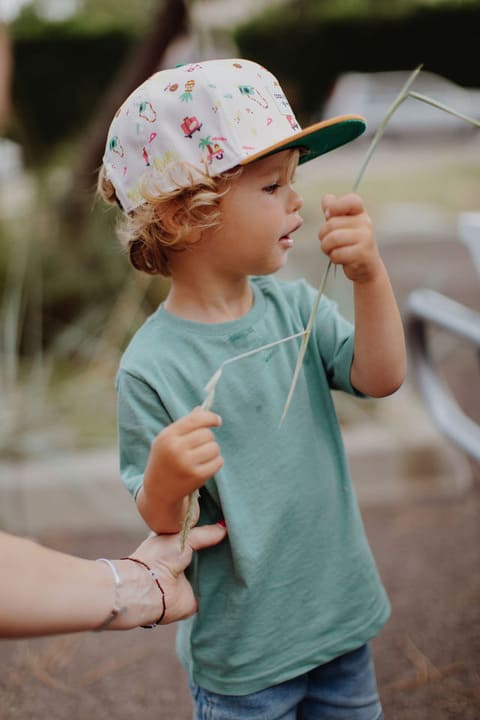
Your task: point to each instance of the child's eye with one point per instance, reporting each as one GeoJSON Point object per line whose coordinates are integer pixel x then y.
{"type": "Point", "coordinates": [271, 188]}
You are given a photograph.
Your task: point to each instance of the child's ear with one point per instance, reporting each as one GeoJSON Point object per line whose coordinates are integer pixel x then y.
{"type": "Point", "coordinates": [194, 237]}
{"type": "Point", "coordinates": [194, 233]}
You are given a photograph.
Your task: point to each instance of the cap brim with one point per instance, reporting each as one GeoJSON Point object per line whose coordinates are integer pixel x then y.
{"type": "Point", "coordinates": [317, 139]}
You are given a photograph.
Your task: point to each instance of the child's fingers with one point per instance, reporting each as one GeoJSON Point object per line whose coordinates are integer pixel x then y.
{"type": "Point", "coordinates": [344, 255]}
{"type": "Point", "coordinates": [211, 467]}
{"type": "Point", "coordinates": [199, 437]}
{"type": "Point", "coordinates": [338, 239]}
{"type": "Point", "coordinates": [349, 204]}
{"type": "Point", "coordinates": [328, 201]}
{"type": "Point", "coordinates": [347, 222]}
{"type": "Point", "coordinates": [198, 418]}
{"type": "Point", "coordinates": [205, 453]}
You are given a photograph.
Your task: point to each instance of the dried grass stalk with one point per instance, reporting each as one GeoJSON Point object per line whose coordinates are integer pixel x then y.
{"type": "Point", "coordinates": [402, 96]}
{"type": "Point", "coordinates": [405, 92]}
{"type": "Point", "coordinates": [210, 387]}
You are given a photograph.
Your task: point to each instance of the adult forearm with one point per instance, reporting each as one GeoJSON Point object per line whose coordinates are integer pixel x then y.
{"type": "Point", "coordinates": [379, 364]}
{"type": "Point", "coordinates": [44, 591]}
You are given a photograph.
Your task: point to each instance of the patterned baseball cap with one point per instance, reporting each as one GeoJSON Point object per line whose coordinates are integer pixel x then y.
{"type": "Point", "coordinates": [206, 118]}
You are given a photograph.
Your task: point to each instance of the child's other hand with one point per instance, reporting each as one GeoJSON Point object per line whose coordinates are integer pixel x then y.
{"type": "Point", "coordinates": [184, 455]}
{"type": "Point", "coordinates": [347, 237]}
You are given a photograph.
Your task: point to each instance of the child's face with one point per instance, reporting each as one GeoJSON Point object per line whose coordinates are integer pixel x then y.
{"type": "Point", "coordinates": [259, 217]}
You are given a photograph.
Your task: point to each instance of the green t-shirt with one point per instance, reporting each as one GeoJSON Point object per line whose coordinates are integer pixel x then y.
{"type": "Point", "coordinates": [294, 585]}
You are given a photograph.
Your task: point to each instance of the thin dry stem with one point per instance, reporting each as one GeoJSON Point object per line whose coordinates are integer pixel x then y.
{"type": "Point", "coordinates": [376, 139]}
{"type": "Point", "coordinates": [445, 108]}
{"type": "Point", "coordinates": [402, 96]}
{"type": "Point", "coordinates": [211, 385]}
{"type": "Point", "coordinates": [192, 509]}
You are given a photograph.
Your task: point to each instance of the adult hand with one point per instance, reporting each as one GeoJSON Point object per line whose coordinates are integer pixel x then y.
{"type": "Point", "coordinates": [163, 554]}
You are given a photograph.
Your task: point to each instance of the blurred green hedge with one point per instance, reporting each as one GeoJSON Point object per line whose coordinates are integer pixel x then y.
{"type": "Point", "coordinates": [308, 50]}
{"type": "Point", "coordinates": [62, 69]}
{"type": "Point", "coordinates": [60, 73]}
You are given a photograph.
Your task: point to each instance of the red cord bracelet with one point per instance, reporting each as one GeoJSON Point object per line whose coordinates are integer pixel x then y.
{"type": "Point", "coordinates": [153, 574]}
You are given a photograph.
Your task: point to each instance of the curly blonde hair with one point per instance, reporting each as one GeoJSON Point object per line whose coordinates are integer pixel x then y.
{"type": "Point", "coordinates": [165, 221]}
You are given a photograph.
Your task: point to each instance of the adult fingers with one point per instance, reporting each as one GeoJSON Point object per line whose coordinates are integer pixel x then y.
{"type": "Point", "coordinates": [206, 536]}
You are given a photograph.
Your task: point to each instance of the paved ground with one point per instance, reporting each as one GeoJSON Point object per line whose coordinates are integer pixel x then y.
{"type": "Point", "coordinates": [427, 657]}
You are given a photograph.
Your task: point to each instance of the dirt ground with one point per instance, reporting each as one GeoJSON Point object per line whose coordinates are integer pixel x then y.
{"type": "Point", "coordinates": [427, 656]}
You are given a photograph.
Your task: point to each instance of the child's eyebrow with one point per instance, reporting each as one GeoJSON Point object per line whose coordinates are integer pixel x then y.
{"type": "Point", "coordinates": [282, 168]}
{"type": "Point", "coordinates": [277, 168]}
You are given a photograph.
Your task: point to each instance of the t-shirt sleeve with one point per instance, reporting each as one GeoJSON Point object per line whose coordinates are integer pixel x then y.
{"type": "Point", "coordinates": [140, 416]}
{"type": "Point", "coordinates": [333, 336]}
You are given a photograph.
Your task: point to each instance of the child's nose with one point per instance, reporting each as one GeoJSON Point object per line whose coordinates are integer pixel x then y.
{"type": "Point", "coordinates": [296, 200]}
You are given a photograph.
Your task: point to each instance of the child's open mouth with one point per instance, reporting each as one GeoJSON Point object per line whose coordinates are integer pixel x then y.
{"type": "Point", "coordinates": [286, 241]}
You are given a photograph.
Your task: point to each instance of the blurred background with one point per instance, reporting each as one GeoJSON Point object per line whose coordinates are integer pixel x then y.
{"type": "Point", "coordinates": [70, 302]}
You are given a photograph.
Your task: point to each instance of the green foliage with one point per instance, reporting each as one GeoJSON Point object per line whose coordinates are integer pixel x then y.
{"type": "Point", "coordinates": [92, 15]}
{"type": "Point", "coordinates": [60, 73]}
{"type": "Point", "coordinates": [126, 14]}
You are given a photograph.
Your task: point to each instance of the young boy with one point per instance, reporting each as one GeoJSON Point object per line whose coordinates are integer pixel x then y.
{"type": "Point", "coordinates": [201, 159]}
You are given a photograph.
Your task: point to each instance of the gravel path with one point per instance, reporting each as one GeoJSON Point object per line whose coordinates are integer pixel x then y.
{"type": "Point", "coordinates": [427, 657]}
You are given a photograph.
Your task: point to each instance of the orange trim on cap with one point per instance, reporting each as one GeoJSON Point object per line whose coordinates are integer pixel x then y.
{"type": "Point", "coordinates": [310, 130]}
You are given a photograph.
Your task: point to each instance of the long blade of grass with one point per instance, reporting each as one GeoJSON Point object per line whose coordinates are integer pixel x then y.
{"type": "Point", "coordinates": [403, 94]}
{"type": "Point", "coordinates": [445, 108]}
{"type": "Point", "coordinates": [212, 383]}
{"type": "Point", "coordinates": [304, 343]}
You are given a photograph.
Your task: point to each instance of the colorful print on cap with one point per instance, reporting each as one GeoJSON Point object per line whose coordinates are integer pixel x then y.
{"type": "Point", "coordinates": [197, 119]}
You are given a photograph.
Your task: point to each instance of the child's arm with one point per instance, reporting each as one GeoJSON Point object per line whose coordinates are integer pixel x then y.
{"type": "Point", "coordinates": [182, 458]}
{"type": "Point", "coordinates": [347, 237]}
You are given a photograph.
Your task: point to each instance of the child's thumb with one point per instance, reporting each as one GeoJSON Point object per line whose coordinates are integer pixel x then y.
{"type": "Point", "coordinates": [327, 202]}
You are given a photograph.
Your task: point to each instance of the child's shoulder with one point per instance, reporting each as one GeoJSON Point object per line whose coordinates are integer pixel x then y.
{"type": "Point", "coordinates": [140, 346]}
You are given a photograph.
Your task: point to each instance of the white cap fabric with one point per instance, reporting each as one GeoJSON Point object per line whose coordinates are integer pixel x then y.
{"type": "Point", "coordinates": [207, 118]}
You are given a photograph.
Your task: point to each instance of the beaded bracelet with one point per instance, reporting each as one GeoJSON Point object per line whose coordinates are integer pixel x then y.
{"type": "Point", "coordinates": [117, 608]}
{"type": "Point", "coordinates": [154, 576]}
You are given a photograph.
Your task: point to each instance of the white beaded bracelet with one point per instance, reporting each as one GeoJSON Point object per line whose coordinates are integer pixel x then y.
{"type": "Point", "coordinates": [117, 608]}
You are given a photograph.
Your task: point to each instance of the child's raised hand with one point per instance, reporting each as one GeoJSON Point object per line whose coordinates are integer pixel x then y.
{"type": "Point", "coordinates": [183, 456]}
{"type": "Point", "coordinates": [347, 237]}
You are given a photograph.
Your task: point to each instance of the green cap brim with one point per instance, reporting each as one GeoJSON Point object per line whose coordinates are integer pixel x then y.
{"type": "Point", "coordinates": [317, 139]}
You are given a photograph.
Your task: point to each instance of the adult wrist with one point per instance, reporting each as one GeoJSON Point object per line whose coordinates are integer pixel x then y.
{"type": "Point", "coordinates": [116, 606]}
{"type": "Point", "coordinates": [137, 598]}
{"type": "Point", "coordinates": [153, 576]}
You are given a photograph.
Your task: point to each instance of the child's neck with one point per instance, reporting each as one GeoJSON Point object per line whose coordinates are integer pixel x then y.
{"type": "Point", "coordinates": [209, 302]}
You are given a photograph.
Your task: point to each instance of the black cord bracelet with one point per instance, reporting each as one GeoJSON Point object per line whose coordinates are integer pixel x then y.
{"type": "Point", "coordinates": [153, 574]}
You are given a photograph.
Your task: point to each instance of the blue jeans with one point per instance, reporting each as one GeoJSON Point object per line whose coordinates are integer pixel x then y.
{"type": "Point", "coordinates": [343, 689]}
